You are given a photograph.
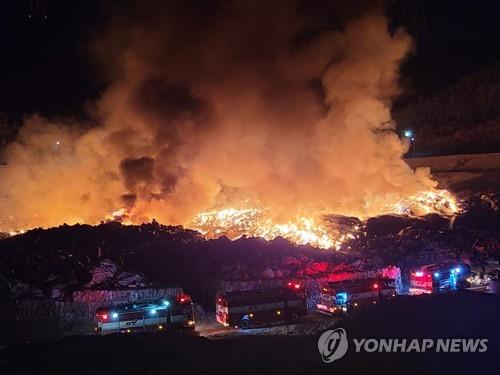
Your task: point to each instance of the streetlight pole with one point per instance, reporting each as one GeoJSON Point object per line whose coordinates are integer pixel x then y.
{"type": "Point", "coordinates": [409, 134]}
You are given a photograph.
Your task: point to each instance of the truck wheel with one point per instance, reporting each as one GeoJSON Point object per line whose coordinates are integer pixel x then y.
{"type": "Point", "coordinates": [244, 323]}
{"type": "Point", "coordinates": [294, 318]}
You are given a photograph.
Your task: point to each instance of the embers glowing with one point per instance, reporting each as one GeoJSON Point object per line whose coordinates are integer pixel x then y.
{"type": "Point", "coordinates": [311, 229]}
{"type": "Point", "coordinates": [235, 223]}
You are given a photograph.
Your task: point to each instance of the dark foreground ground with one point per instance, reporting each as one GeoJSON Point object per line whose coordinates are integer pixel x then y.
{"type": "Point", "coordinates": [461, 315]}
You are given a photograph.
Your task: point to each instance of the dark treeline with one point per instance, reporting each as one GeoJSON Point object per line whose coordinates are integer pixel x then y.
{"type": "Point", "coordinates": [464, 117]}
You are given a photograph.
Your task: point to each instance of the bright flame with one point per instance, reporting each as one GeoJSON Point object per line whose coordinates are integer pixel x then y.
{"type": "Point", "coordinates": [438, 201]}
{"type": "Point", "coordinates": [201, 124]}
{"type": "Point", "coordinates": [120, 215]}
{"type": "Point", "coordinates": [16, 232]}
{"type": "Point", "coordinates": [235, 223]}
{"type": "Point", "coordinates": [302, 229]}
{"type": "Point", "coordinates": [253, 222]}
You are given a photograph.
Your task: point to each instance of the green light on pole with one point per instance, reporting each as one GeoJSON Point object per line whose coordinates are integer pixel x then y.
{"type": "Point", "coordinates": [409, 134]}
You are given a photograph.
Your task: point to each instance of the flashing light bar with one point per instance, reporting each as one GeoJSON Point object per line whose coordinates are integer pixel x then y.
{"type": "Point", "coordinates": [183, 298]}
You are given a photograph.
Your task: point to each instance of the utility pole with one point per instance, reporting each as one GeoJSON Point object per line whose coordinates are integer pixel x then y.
{"type": "Point", "coordinates": [409, 135]}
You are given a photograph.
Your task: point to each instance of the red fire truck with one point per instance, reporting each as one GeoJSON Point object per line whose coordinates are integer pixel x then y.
{"type": "Point", "coordinates": [437, 278]}
{"type": "Point", "coordinates": [246, 309]}
{"type": "Point", "coordinates": [340, 296]}
{"type": "Point", "coordinates": [175, 314]}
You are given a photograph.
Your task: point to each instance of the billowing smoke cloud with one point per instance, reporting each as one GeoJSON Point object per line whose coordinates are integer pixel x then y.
{"type": "Point", "coordinates": [237, 103]}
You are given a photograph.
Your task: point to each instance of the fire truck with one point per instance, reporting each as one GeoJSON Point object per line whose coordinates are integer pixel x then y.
{"type": "Point", "coordinates": [340, 296]}
{"type": "Point", "coordinates": [437, 278]}
{"type": "Point", "coordinates": [171, 314]}
{"type": "Point", "coordinates": [254, 308]}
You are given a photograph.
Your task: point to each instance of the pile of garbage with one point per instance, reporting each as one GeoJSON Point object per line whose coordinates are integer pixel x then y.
{"type": "Point", "coordinates": [293, 267]}
{"type": "Point", "coordinates": [54, 262]}
{"type": "Point", "coordinates": [105, 275]}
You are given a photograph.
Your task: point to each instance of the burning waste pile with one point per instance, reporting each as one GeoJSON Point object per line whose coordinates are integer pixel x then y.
{"type": "Point", "coordinates": [52, 263]}
{"type": "Point", "coordinates": [235, 223]}
{"type": "Point", "coordinates": [193, 132]}
{"type": "Point", "coordinates": [322, 232]}
{"type": "Point", "coordinates": [280, 131]}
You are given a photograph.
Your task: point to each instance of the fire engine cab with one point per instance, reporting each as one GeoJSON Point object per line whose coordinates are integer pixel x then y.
{"type": "Point", "coordinates": [246, 309]}
{"type": "Point", "coordinates": [159, 314]}
{"type": "Point", "coordinates": [341, 296]}
{"type": "Point", "coordinates": [437, 278]}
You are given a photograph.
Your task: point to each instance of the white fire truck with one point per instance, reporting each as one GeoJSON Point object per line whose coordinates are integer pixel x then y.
{"type": "Point", "coordinates": [173, 314]}
{"type": "Point", "coordinates": [340, 296]}
{"type": "Point", "coordinates": [437, 278]}
{"type": "Point", "coordinates": [246, 309]}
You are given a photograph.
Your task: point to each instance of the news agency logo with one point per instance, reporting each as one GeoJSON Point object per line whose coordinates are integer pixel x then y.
{"type": "Point", "coordinates": [333, 345]}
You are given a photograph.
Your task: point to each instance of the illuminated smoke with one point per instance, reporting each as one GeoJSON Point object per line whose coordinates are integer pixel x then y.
{"type": "Point", "coordinates": [238, 106]}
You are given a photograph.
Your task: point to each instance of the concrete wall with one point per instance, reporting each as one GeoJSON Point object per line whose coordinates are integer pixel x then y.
{"type": "Point", "coordinates": [112, 297]}
{"type": "Point", "coordinates": [312, 286]}
{"type": "Point", "coordinates": [83, 306]}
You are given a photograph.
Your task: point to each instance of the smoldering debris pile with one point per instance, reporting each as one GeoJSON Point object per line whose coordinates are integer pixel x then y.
{"type": "Point", "coordinates": [472, 237]}
{"type": "Point", "coordinates": [52, 263]}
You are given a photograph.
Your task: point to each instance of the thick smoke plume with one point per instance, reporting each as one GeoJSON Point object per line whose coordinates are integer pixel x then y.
{"type": "Point", "coordinates": [235, 104]}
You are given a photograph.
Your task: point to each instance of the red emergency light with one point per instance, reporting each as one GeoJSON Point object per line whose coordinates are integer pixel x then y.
{"type": "Point", "coordinates": [421, 274]}
{"type": "Point", "coordinates": [375, 286]}
{"type": "Point", "coordinates": [102, 316]}
{"type": "Point", "coordinates": [293, 285]}
{"type": "Point", "coordinates": [183, 298]}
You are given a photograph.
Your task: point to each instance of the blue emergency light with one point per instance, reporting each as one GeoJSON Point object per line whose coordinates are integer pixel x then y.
{"type": "Point", "coordinates": [341, 298]}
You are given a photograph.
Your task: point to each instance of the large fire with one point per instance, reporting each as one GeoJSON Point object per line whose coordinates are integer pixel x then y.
{"type": "Point", "coordinates": [235, 223]}
{"type": "Point", "coordinates": [313, 230]}
{"type": "Point", "coordinates": [259, 132]}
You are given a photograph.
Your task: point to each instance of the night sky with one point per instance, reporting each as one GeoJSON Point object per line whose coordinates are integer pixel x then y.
{"type": "Point", "coordinates": [45, 67]}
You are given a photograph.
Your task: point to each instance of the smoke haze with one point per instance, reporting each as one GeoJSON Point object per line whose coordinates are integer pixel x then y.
{"type": "Point", "coordinates": [237, 104]}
